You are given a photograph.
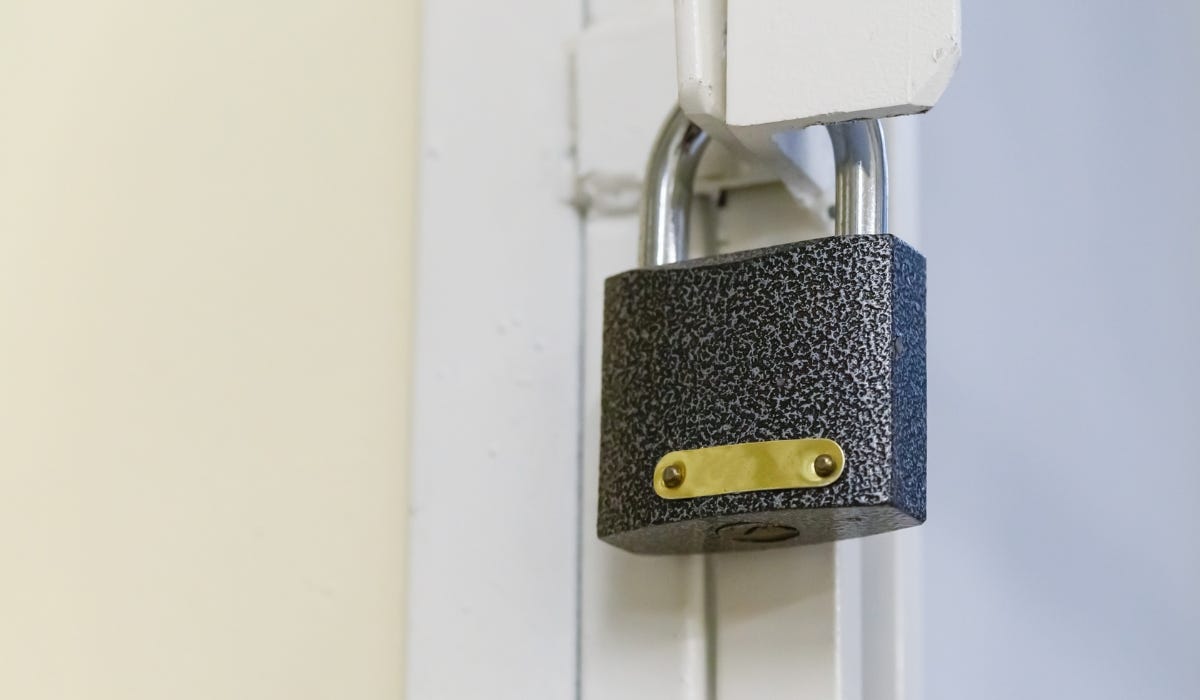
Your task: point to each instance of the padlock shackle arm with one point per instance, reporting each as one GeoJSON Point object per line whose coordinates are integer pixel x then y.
{"type": "Point", "coordinates": [667, 198]}
{"type": "Point", "coordinates": [860, 159]}
{"type": "Point", "coordinates": [860, 187]}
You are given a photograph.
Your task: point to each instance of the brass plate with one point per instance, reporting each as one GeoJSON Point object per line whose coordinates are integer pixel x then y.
{"type": "Point", "coordinates": [749, 466]}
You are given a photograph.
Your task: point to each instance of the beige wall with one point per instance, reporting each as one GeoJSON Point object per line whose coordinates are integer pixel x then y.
{"type": "Point", "coordinates": [205, 221]}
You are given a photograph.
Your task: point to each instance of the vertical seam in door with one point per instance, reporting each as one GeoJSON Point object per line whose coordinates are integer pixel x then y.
{"type": "Point", "coordinates": [580, 412]}
{"type": "Point", "coordinates": [710, 628]}
{"type": "Point", "coordinates": [581, 364]}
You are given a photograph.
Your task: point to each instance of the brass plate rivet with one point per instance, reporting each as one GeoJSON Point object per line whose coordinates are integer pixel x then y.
{"type": "Point", "coordinates": [672, 476]}
{"type": "Point", "coordinates": [824, 465]}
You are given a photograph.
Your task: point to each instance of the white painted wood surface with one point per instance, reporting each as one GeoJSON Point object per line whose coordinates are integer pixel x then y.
{"type": "Point", "coordinates": [494, 482]}
{"type": "Point", "coordinates": [622, 82]}
{"type": "Point", "coordinates": [788, 623]}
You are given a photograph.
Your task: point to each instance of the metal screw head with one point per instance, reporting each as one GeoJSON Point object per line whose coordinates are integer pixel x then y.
{"type": "Point", "coordinates": [824, 466]}
{"type": "Point", "coordinates": [672, 476]}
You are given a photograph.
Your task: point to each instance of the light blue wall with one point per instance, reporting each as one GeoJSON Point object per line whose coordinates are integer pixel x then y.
{"type": "Point", "coordinates": [1059, 214]}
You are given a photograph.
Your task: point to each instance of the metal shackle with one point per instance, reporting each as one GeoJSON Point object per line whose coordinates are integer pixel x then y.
{"type": "Point", "coordinates": [860, 187]}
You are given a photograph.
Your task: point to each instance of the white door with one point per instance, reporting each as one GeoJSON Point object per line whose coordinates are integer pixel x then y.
{"type": "Point", "coordinates": [530, 170]}
{"type": "Point", "coordinates": [1049, 193]}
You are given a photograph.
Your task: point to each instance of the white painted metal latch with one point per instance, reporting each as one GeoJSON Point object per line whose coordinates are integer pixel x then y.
{"type": "Point", "coordinates": [751, 71]}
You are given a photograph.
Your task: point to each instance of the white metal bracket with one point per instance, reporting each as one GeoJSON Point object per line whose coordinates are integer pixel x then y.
{"type": "Point", "coordinates": [751, 71]}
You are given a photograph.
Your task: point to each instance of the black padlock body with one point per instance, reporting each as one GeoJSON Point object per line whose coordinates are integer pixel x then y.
{"type": "Point", "coordinates": [821, 338]}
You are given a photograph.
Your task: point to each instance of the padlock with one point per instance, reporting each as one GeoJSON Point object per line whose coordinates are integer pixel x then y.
{"type": "Point", "coordinates": [767, 397]}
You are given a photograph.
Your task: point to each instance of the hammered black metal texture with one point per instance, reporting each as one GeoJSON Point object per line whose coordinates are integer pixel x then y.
{"type": "Point", "coordinates": [822, 338]}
